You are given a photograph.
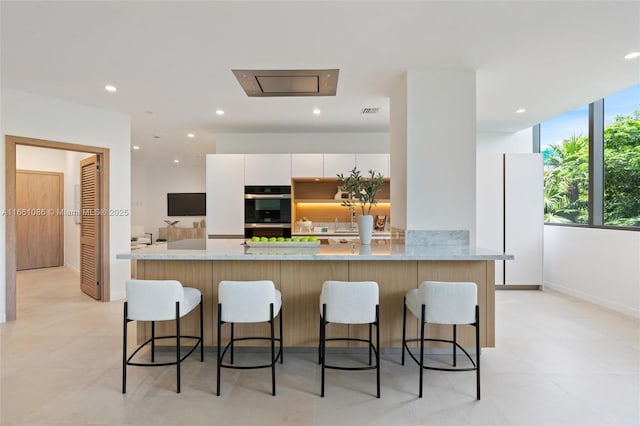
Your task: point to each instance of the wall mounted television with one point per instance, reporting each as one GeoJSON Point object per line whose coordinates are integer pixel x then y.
{"type": "Point", "coordinates": [187, 204]}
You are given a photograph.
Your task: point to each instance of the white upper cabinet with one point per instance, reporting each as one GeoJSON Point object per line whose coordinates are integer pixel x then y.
{"type": "Point", "coordinates": [307, 165]}
{"type": "Point", "coordinates": [338, 163]}
{"type": "Point", "coordinates": [267, 169]}
{"type": "Point", "coordinates": [376, 162]}
{"type": "Point", "coordinates": [225, 194]}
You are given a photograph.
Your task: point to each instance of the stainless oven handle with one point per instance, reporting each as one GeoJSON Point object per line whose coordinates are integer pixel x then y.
{"type": "Point", "coordinates": [267, 225]}
{"type": "Point", "coordinates": [264, 196]}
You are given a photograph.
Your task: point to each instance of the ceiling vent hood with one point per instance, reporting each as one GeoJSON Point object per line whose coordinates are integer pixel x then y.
{"type": "Point", "coordinates": [265, 83]}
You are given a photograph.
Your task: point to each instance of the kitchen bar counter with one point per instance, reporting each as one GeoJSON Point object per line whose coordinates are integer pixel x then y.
{"type": "Point", "coordinates": [300, 272]}
{"type": "Point", "coordinates": [234, 249]}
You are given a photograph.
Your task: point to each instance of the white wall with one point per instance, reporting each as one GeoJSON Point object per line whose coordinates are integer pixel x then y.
{"type": "Point", "coordinates": [41, 159]}
{"type": "Point", "coordinates": [598, 265]}
{"type": "Point", "coordinates": [498, 143]}
{"type": "Point", "coordinates": [150, 185]}
{"type": "Point", "coordinates": [260, 143]}
{"type": "Point", "coordinates": [440, 150]}
{"type": "Point", "coordinates": [29, 115]}
{"type": "Point", "coordinates": [71, 203]}
{"type": "Point", "coordinates": [398, 153]}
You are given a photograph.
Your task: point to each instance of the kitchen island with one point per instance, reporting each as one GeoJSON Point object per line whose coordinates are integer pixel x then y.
{"type": "Point", "coordinates": [300, 272]}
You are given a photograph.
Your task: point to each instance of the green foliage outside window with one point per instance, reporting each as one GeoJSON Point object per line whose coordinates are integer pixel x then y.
{"type": "Point", "coordinates": [566, 181]}
{"type": "Point", "coordinates": [622, 171]}
{"type": "Point", "coordinates": [566, 176]}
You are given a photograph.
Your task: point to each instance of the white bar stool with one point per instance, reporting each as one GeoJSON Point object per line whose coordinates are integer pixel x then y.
{"type": "Point", "coordinates": [438, 302]}
{"type": "Point", "coordinates": [345, 302]}
{"type": "Point", "coordinates": [249, 302]}
{"type": "Point", "coordinates": [159, 300]}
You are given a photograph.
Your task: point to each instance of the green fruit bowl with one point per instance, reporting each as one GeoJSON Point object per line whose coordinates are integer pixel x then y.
{"type": "Point", "coordinates": [279, 244]}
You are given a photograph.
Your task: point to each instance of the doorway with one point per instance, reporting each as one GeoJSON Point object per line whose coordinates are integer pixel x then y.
{"type": "Point", "coordinates": [102, 226]}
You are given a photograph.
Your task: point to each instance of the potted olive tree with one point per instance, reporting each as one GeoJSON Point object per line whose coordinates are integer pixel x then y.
{"type": "Point", "coordinates": [362, 191]}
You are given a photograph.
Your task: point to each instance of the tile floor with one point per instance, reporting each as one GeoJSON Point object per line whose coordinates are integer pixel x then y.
{"type": "Point", "coordinates": [558, 361]}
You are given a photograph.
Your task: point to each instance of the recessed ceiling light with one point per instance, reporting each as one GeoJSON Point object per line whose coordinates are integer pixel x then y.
{"type": "Point", "coordinates": [521, 111]}
{"type": "Point", "coordinates": [632, 55]}
{"type": "Point", "coordinates": [110, 88]}
{"type": "Point", "coordinates": [136, 147]}
{"type": "Point", "coordinates": [316, 111]}
{"type": "Point", "coordinates": [176, 161]}
{"type": "Point", "coordinates": [219, 112]}
{"type": "Point", "coordinates": [191, 135]}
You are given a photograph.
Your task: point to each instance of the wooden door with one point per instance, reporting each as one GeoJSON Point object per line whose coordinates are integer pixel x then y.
{"type": "Point", "coordinates": [39, 219]}
{"type": "Point", "coordinates": [90, 227]}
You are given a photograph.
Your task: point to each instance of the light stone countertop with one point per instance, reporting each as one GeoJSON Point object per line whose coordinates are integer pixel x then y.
{"type": "Point", "coordinates": [382, 249]}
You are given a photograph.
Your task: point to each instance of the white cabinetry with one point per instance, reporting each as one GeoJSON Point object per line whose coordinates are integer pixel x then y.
{"type": "Point", "coordinates": [489, 207]}
{"type": "Point", "coordinates": [267, 169]}
{"type": "Point", "coordinates": [510, 214]}
{"type": "Point", "coordinates": [376, 162]}
{"type": "Point", "coordinates": [225, 194]}
{"type": "Point", "coordinates": [524, 218]}
{"type": "Point", "coordinates": [307, 165]}
{"type": "Point", "coordinates": [338, 163]}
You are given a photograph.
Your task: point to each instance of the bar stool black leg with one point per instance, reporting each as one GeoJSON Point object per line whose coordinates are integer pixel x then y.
{"type": "Point", "coordinates": [323, 344]}
{"type": "Point", "coordinates": [273, 352]}
{"type": "Point", "coordinates": [320, 340]}
{"type": "Point", "coordinates": [219, 348]}
{"type": "Point", "coordinates": [178, 346]}
{"type": "Point", "coordinates": [477, 354]}
{"type": "Point", "coordinates": [404, 328]}
{"type": "Point", "coordinates": [153, 341]}
{"type": "Point", "coordinates": [281, 340]}
{"type": "Point", "coordinates": [454, 344]}
{"type": "Point", "coordinates": [124, 350]}
{"type": "Point", "coordinates": [370, 343]}
{"type": "Point", "coordinates": [201, 333]}
{"type": "Point", "coordinates": [421, 349]}
{"type": "Point", "coordinates": [377, 349]}
{"type": "Point", "coordinates": [232, 339]}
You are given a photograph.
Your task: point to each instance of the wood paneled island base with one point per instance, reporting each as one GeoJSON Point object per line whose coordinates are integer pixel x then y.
{"type": "Point", "coordinates": [300, 282]}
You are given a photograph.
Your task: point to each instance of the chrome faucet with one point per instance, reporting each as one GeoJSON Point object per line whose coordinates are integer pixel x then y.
{"type": "Point", "coordinates": [352, 214]}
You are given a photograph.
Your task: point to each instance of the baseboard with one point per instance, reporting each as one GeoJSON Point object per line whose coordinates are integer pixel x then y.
{"type": "Point", "coordinates": [72, 267]}
{"type": "Point", "coordinates": [518, 287]}
{"type": "Point", "coordinates": [592, 299]}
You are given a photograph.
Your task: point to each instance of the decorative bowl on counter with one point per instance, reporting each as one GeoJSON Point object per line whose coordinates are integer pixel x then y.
{"type": "Point", "coordinates": [280, 244]}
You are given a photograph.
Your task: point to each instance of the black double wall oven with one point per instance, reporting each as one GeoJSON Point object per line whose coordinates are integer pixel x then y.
{"type": "Point", "coordinates": [267, 211]}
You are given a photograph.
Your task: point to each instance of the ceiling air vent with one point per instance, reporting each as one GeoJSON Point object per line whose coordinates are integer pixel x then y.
{"type": "Point", "coordinates": [370, 110]}
{"type": "Point", "coordinates": [263, 83]}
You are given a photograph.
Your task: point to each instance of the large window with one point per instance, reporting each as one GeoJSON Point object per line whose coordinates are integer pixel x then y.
{"type": "Point", "coordinates": [592, 163]}
{"type": "Point", "coordinates": [622, 158]}
{"type": "Point", "coordinates": [564, 143]}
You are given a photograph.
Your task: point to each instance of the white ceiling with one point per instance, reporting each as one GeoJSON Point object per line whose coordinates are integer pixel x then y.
{"type": "Point", "coordinates": [172, 61]}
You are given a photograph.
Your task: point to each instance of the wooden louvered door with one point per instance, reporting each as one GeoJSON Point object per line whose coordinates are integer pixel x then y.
{"type": "Point", "coordinates": [90, 227]}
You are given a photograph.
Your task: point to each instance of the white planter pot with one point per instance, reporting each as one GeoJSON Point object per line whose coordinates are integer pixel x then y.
{"type": "Point", "coordinates": [365, 228]}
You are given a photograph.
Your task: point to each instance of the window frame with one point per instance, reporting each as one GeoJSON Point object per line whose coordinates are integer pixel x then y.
{"type": "Point", "coordinates": [596, 171]}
